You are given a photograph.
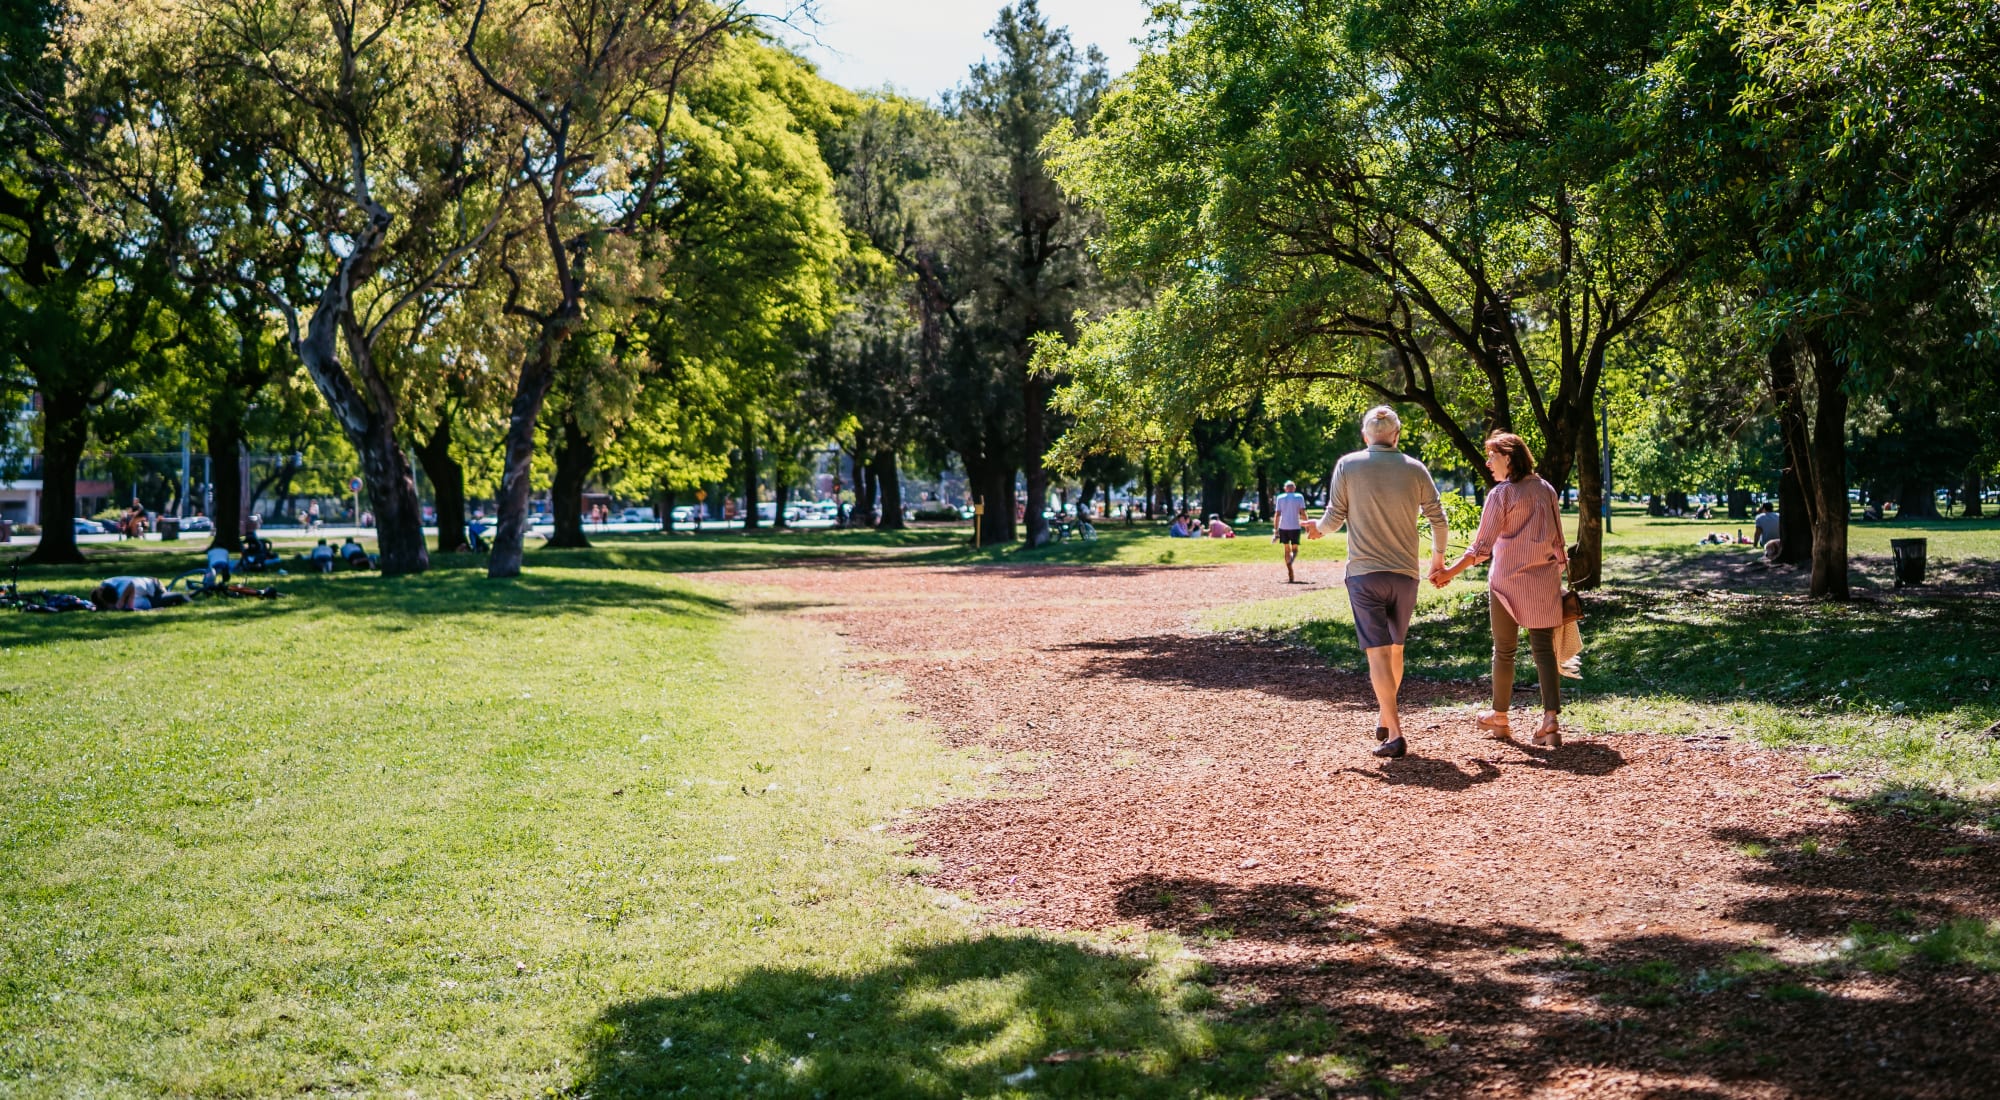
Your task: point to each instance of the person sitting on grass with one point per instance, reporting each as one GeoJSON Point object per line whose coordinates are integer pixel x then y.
{"type": "Point", "coordinates": [1218, 529]}
{"type": "Point", "coordinates": [355, 556]}
{"type": "Point", "coordinates": [1769, 526]}
{"type": "Point", "coordinates": [128, 594]}
{"type": "Point", "coordinates": [1179, 528]}
{"type": "Point", "coordinates": [322, 557]}
{"type": "Point", "coordinates": [258, 554]}
{"type": "Point", "coordinates": [218, 566]}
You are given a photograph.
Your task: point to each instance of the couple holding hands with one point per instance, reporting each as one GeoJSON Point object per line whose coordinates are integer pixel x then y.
{"type": "Point", "coordinates": [1378, 493]}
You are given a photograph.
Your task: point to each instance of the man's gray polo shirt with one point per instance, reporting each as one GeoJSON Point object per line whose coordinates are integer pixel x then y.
{"type": "Point", "coordinates": [1379, 493]}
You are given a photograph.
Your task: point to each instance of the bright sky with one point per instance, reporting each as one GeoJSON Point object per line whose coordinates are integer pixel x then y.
{"type": "Point", "coordinates": [924, 47]}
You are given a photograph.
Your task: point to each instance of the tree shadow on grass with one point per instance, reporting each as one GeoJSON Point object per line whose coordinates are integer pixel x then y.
{"type": "Point", "coordinates": [389, 604]}
{"type": "Point", "coordinates": [989, 1016]}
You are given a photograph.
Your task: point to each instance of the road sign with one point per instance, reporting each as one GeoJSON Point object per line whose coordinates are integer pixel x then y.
{"type": "Point", "coordinates": [354, 485]}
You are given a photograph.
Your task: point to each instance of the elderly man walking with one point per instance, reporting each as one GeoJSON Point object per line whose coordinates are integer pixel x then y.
{"type": "Point", "coordinates": [1288, 520]}
{"type": "Point", "coordinates": [1378, 494]}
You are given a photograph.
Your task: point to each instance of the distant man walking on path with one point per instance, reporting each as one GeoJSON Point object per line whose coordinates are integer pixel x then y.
{"type": "Point", "coordinates": [1378, 494]}
{"type": "Point", "coordinates": [1288, 521]}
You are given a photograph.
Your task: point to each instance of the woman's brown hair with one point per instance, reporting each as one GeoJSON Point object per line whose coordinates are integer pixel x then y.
{"type": "Point", "coordinates": [1520, 460]}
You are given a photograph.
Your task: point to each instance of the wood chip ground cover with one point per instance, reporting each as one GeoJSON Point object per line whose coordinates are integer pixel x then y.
{"type": "Point", "coordinates": [1632, 915]}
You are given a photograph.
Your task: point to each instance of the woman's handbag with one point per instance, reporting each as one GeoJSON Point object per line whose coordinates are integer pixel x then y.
{"type": "Point", "coordinates": [1569, 638]}
{"type": "Point", "coordinates": [1572, 603]}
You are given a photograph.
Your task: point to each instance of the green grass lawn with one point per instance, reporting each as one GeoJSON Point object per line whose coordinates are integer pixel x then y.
{"type": "Point", "coordinates": [604, 831]}
{"type": "Point", "coordinates": [596, 831]}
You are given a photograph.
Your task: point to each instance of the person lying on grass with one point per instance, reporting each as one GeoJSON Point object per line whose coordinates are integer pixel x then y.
{"type": "Point", "coordinates": [129, 594]}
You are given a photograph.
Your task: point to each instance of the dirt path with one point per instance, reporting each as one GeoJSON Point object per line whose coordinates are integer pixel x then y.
{"type": "Point", "coordinates": [1480, 917]}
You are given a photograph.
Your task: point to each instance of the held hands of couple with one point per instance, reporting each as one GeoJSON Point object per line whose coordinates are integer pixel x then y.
{"type": "Point", "coordinates": [1441, 574]}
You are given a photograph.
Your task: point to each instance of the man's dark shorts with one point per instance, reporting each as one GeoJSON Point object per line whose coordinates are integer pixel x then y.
{"type": "Point", "coordinates": [1382, 603]}
{"type": "Point", "coordinates": [1290, 537]}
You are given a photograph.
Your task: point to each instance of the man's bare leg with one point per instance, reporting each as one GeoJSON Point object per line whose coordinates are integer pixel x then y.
{"type": "Point", "coordinates": [1385, 675]}
{"type": "Point", "coordinates": [1291, 554]}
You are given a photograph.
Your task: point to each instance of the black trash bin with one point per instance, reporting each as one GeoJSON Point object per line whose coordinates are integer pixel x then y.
{"type": "Point", "coordinates": [1909, 555]}
{"type": "Point", "coordinates": [170, 528]}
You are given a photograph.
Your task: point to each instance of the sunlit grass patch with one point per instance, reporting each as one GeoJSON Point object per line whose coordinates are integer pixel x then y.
{"type": "Point", "coordinates": [1967, 942]}
{"type": "Point", "coordinates": [439, 835]}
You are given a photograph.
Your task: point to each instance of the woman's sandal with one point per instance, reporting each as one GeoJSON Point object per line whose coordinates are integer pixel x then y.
{"type": "Point", "coordinates": [1495, 722]}
{"type": "Point", "coordinates": [1549, 734]}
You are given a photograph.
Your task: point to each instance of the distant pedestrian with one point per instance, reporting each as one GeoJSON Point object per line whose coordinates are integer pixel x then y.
{"type": "Point", "coordinates": [1288, 523]}
{"type": "Point", "coordinates": [1377, 494]}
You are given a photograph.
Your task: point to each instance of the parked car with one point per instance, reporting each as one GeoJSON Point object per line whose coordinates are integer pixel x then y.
{"type": "Point", "coordinates": [197, 523]}
{"type": "Point", "coordinates": [634, 515]}
{"type": "Point", "coordinates": [684, 515]}
{"type": "Point", "coordinates": [89, 527]}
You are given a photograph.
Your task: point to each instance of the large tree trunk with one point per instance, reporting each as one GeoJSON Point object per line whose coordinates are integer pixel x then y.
{"type": "Point", "coordinates": [531, 391]}
{"type": "Point", "coordinates": [863, 513]}
{"type": "Point", "coordinates": [574, 456]}
{"type": "Point", "coordinates": [1264, 506]}
{"type": "Point", "coordinates": [1586, 566]}
{"type": "Point", "coordinates": [1917, 500]}
{"type": "Point", "coordinates": [1816, 449]}
{"type": "Point", "coordinates": [399, 515]}
{"type": "Point", "coordinates": [1975, 485]}
{"type": "Point", "coordinates": [1583, 463]}
{"type": "Point", "coordinates": [890, 489]}
{"type": "Point", "coordinates": [365, 406]}
{"type": "Point", "coordinates": [1796, 502]}
{"type": "Point", "coordinates": [65, 430]}
{"type": "Point", "coordinates": [1218, 490]}
{"type": "Point", "coordinates": [1829, 472]}
{"type": "Point", "coordinates": [1218, 483]}
{"type": "Point", "coordinates": [447, 478]}
{"type": "Point", "coordinates": [227, 504]}
{"type": "Point", "coordinates": [1795, 524]}
{"type": "Point", "coordinates": [1739, 503]}
{"type": "Point", "coordinates": [993, 484]}
{"type": "Point", "coordinates": [1146, 471]}
{"type": "Point", "coordinates": [1035, 396]}
{"type": "Point", "coordinates": [749, 446]}
{"type": "Point", "coordinates": [781, 497]}
{"type": "Point", "coordinates": [667, 499]}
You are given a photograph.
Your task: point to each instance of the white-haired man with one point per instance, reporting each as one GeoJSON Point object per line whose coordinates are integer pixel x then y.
{"type": "Point", "coordinates": [1288, 514]}
{"type": "Point", "coordinates": [1378, 494]}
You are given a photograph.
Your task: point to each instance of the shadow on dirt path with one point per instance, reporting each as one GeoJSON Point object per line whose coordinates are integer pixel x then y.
{"type": "Point", "coordinates": [1623, 916]}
